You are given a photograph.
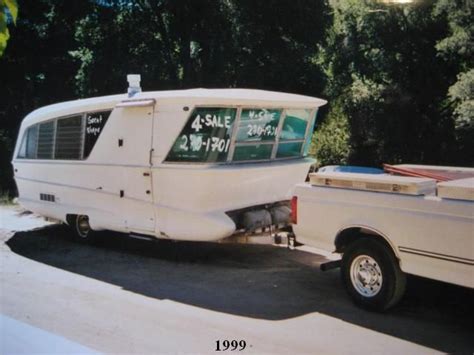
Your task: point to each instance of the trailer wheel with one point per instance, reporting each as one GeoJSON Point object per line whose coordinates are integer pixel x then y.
{"type": "Point", "coordinates": [81, 228]}
{"type": "Point", "coordinates": [372, 275]}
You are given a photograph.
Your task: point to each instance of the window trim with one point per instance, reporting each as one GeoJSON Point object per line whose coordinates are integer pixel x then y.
{"type": "Point", "coordinates": [230, 153]}
{"type": "Point", "coordinates": [311, 122]}
{"type": "Point", "coordinates": [83, 136]}
{"type": "Point", "coordinates": [23, 145]}
{"type": "Point", "coordinates": [277, 138]}
{"type": "Point", "coordinates": [55, 131]}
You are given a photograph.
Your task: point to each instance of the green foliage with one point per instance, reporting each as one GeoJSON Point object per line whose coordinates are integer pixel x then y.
{"type": "Point", "coordinates": [457, 48]}
{"type": "Point", "coordinates": [330, 142]}
{"type": "Point", "coordinates": [383, 64]}
{"type": "Point", "coordinates": [459, 44]}
{"type": "Point", "coordinates": [7, 7]}
{"type": "Point", "coordinates": [462, 94]}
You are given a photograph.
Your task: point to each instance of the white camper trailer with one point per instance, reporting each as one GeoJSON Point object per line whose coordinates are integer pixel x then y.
{"type": "Point", "coordinates": [185, 165]}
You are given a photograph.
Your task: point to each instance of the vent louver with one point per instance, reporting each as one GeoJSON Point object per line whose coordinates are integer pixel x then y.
{"type": "Point", "coordinates": [47, 197]}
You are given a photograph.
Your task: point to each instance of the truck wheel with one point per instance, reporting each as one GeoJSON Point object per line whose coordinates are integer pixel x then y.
{"type": "Point", "coordinates": [81, 228]}
{"type": "Point", "coordinates": [372, 275]}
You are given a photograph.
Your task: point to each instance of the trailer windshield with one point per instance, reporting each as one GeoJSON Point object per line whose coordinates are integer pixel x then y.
{"type": "Point", "coordinates": [225, 135]}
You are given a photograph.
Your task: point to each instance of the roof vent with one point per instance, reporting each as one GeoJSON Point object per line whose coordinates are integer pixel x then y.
{"type": "Point", "coordinates": [133, 84]}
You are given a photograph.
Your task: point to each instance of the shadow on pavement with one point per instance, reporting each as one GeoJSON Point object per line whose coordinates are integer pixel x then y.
{"type": "Point", "coordinates": [263, 282]}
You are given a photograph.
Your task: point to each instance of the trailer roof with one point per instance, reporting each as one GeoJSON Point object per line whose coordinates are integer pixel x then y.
{"type": "Point", "coordinates": [233, 97]}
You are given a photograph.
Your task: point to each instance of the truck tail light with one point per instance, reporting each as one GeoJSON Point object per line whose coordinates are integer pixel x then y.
{"type": "Point", "coordinates": [294, 210]}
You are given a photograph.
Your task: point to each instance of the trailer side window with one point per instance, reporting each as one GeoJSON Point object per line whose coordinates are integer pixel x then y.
{"type": "Point", "coordinates": [65, 138]}
{"type": "Point", "coordinates": [22, 150]}
{"type": "Point", "coordinates": [94, 124]}
{"type": "Point", "coordinates": [46, 140]}
{"type": "Point", "coordinates": [29, 143]}
{"type": "Point", "coordinates": [206, 136]}
{"type": "Point", "coordinates": [68, 138]}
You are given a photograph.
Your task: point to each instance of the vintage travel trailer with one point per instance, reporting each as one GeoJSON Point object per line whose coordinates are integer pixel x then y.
{"type": "Point", "coordinates": [199, 164]}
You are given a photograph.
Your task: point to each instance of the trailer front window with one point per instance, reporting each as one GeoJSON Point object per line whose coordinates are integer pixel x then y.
{"type": "Point", "coordinates": [258, 125]}
{"type": "Point", "coordinates": [206, 136]}
{"type": "Point", "coordinates": [297, 126]}
{"type": "Point", "coordinates": [260, 134]}
{"type": "Point", "coordinates": [256, 135]}
{"type": "Point", "coordinates": [253, 152]}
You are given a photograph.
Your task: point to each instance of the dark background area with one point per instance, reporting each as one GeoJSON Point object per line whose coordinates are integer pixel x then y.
{"type": "Point", "coordinates": [399, 78]}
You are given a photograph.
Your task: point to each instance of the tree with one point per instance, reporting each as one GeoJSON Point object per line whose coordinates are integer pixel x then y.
{"type": "Point", "coordinates": [7, 7]}
{"type": "Point", "coordinates": [384, 72]}
{"type": "Point", "coordinates": [36, 70]}
{"type": "Point", "coordinates": [172, 43]}
{"type": "Point", "coordinates": [205, 43]}
{"type": "Point", "coordinates": [8, 10]}
{"type": "Point", "coordinates": [330, 143]}
{"type": "Point", "coordinates": [457, 48]}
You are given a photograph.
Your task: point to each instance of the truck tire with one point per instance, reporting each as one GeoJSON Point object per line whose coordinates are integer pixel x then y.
{"type": "Point", "coordinates": [80, 228]}
{"type": "Point", "coordinates": [371, 275]}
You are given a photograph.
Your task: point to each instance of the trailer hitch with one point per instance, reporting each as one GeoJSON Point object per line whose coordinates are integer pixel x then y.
{"type": "Point", "coordinates": [329, 265]}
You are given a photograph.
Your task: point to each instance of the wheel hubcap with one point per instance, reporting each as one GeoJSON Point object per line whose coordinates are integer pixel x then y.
{"type": "Point", "coordinates": [366, 276]}
{"type": "Point", "coordinates": [82, 226]}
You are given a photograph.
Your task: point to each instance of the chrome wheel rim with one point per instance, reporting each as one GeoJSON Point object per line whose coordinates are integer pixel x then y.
{"type": "Point", "coordinates": [82, 226]}
{"type": "Point", "coordinates": [366, 276]}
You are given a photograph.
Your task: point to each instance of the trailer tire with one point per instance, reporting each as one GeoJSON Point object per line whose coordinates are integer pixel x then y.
{"type": "Point", "coordinates": [371, 275]}
{"type": "Point", "coordinates": [79, 225]}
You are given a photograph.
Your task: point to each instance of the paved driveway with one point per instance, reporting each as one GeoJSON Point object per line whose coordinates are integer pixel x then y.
{"type": "Point", "coordinates": [124, 295]}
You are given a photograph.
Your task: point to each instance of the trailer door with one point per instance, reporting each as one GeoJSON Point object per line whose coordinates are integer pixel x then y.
{"type": "Point", "coordinates": [134, 141]}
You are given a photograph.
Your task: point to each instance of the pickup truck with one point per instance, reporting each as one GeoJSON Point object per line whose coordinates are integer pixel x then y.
{"type": "Point", "coordinates": [385, 227]}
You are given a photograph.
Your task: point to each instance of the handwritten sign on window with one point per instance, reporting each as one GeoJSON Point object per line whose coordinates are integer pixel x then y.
{"type": "Point", "coordinates": [258, 125]}
{"type": "Point", "coordinates": [206, 136]}
{"type": "Point", "coordinates": [94, 124]}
